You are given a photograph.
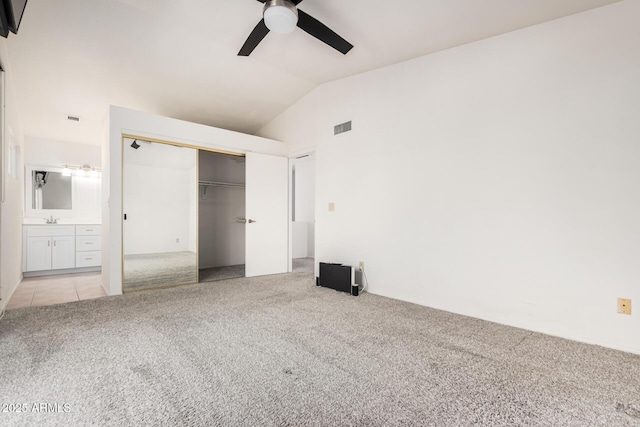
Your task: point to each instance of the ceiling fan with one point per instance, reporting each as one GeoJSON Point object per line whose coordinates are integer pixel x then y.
{"type": "Point", "coordinates": [282, 16]}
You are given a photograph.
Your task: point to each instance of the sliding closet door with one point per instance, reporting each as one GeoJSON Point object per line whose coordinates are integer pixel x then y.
{"type": "Point", "coordinates": [159, 215]}
{"type": "Point", "coordinates": [267, 228]}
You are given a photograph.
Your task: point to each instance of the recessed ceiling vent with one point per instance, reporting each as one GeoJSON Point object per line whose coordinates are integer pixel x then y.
{"type": "Point", "coordinates": [342, 128]}
{"type": "Point", "coordinates": [73, 118]}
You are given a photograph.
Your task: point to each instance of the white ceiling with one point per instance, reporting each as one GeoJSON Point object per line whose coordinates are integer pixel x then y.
{"type": "Point", "coordinates": [179, 58]}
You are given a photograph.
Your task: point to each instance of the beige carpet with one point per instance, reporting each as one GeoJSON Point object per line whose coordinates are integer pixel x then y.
{"type": "Point", "coordinates": [215, 274]}
{"type": "Point", "coordinates": [151, 271]}
{"type": "Point", "coordinates": [279, 351]}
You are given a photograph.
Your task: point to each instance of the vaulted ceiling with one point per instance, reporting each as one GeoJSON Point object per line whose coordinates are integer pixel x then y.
{"type": "Point", "coordinates": [179, 58]}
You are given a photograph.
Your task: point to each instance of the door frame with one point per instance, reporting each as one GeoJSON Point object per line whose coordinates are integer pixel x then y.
{"type": "Point", "coordinates": [292, 158]}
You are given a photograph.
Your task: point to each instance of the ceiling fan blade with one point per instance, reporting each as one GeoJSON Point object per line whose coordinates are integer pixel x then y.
{"type": "Point", "coordinates": [256, 36]}
{"type": "Point", "coordinates": [323, 33]}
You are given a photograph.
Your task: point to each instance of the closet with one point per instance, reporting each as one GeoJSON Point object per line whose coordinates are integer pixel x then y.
{"type": "Point", "coordinates": [221, 216]}
{"type": "Point", "coordinates": [192, 215]}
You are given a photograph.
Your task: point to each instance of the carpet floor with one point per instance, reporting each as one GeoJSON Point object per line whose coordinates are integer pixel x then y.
{"type": "Point", "coordinates": [215, 274]}
{"type": "Point", "coordinates": [303, 265]}
{"type": "Point", "coordinates": [151, 271]}
{"type": "Point", "coordinates": [279, 351]}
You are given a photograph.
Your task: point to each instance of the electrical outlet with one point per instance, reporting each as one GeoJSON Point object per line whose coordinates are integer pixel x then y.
{"type": "Point", "coordinates": [624, 306]}
{"type": "Point", "coordinates": [361, 265]}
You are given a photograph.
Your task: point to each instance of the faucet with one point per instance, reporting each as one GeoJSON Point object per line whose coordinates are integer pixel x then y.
{"type": "Point", "coordinates": [51, 220]}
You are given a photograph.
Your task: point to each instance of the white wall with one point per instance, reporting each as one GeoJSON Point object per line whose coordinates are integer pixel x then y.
{"type": "Point", "coordinates": [38, 151]}
{"type": "Point", "coordinates": [498, 179]}
{"type": "Point", "coordinates": [120, 120]}
{"type": "Point", "coordinates": [11, 208]}
{"type": "Point", "coordinates": [221, 237]}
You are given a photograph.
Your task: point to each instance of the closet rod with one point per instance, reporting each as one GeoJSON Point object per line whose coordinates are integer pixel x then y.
{"type": "Point", "coordinates": [221, 184]}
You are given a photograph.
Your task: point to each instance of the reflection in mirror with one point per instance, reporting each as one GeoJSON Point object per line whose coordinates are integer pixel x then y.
{"type": "Point", "coordinates": [50, 190]}
{"type": "Point", "coordinates": [159, 215]}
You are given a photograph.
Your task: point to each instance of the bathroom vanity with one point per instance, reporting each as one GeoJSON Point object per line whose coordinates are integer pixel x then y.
{"type": "Point", "coordinates": [61, 248]}
{"type": "Point", "coordinates": [61, 230]}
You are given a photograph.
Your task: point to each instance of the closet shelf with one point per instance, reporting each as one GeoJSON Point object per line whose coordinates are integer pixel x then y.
{"type": "Point", "coordinates": [221, 184]}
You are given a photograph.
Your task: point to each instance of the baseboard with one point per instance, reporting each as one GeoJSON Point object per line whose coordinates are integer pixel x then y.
{"type": "Point", "coordinates": [64, 271]}
{"type": "Point", "coordinates": [552, 333]}
{"type": "Point", "coordinates": [106, 290]}
{"type": "Point", "coordinates": [4, 303]}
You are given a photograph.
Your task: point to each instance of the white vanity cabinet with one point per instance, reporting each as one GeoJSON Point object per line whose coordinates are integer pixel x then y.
{"type": "Point", "coordinates": [50, 249]}
{"type": "Point", "coordinates": [88, 246]}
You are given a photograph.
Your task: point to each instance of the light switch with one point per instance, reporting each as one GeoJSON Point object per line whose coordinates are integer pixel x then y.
{"type": "Point", "coordinates": [332, 207]}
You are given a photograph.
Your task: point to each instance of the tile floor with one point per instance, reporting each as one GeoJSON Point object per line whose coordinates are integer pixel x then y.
{"type": "Point", "coordinates": [58, 289]}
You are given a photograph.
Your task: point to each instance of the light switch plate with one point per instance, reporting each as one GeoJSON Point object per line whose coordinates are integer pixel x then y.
{"type": "Point", "coordinates": [332, 207]}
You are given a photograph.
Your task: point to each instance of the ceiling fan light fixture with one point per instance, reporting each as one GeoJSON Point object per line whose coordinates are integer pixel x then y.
{"type": "Point", "coordinates": [280, 16]}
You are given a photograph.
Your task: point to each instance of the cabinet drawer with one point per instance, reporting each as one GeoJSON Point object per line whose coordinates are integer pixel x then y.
{"type": "Point", "coordinates": [88, 243]}
{"type": "Point", "coordinates": [88, 259]}
{"type": "Point", "coordinates": [50, 230]}
{"type": "Point", "coordinates": [88, 230]}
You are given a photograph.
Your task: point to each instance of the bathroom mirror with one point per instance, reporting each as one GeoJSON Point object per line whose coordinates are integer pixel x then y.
{"type": "Point", "coordinates": [50, 190]}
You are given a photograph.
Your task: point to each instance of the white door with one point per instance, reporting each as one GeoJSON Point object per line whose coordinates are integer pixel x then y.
{"type": "Point", "coordinates": [64, 252]}
{"type": "Point", "coordinates": [267, 229]}
{"type": "Point", "coordinates": [38, 253]}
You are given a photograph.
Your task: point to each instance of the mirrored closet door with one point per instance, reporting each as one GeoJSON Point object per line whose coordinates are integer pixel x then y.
{"type": "Point", "coordinates": [160, 215]}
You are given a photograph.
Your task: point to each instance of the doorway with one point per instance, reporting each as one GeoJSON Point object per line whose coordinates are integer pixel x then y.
{"type": "Point", "coordinates": [303, 183]}
{"type": "Point", "coordinates": [221, 216]}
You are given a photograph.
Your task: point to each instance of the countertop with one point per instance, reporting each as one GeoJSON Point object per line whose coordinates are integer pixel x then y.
{"type": "Point", "coordinates": [62, 221]}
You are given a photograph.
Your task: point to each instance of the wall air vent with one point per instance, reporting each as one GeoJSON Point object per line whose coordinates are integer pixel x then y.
{"type": "Point", "coordinates": [73, 118]}
{"type": "Point", "coordinates": [342, 128]}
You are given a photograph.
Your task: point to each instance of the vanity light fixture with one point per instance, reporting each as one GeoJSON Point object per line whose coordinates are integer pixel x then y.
{"type": "Point", "coordinates": [84, 170]}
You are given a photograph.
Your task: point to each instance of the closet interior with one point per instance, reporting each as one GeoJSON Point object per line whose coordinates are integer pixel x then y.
{"type": "Point", "coordinates": [221, 216]}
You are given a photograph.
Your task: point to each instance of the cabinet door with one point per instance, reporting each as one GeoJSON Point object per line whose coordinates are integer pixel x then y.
{"type": "Point", "coordinates": [64, 252]}
{"type": "Point", "coordinates": [38, 253]}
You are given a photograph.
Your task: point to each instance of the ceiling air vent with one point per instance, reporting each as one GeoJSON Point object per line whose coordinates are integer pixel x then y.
{"type": "Point", "coordinates": [73, 118]}
{"type": "Point", "coordinates": [342, 128]}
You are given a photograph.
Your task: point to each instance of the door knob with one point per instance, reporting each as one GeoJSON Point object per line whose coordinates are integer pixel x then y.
{"type": "Point", "coordinates": [252, 221]}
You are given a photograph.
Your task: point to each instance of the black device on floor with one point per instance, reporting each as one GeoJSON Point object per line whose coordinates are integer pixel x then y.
{"type": "Point", "coordinates": [337, 276]}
